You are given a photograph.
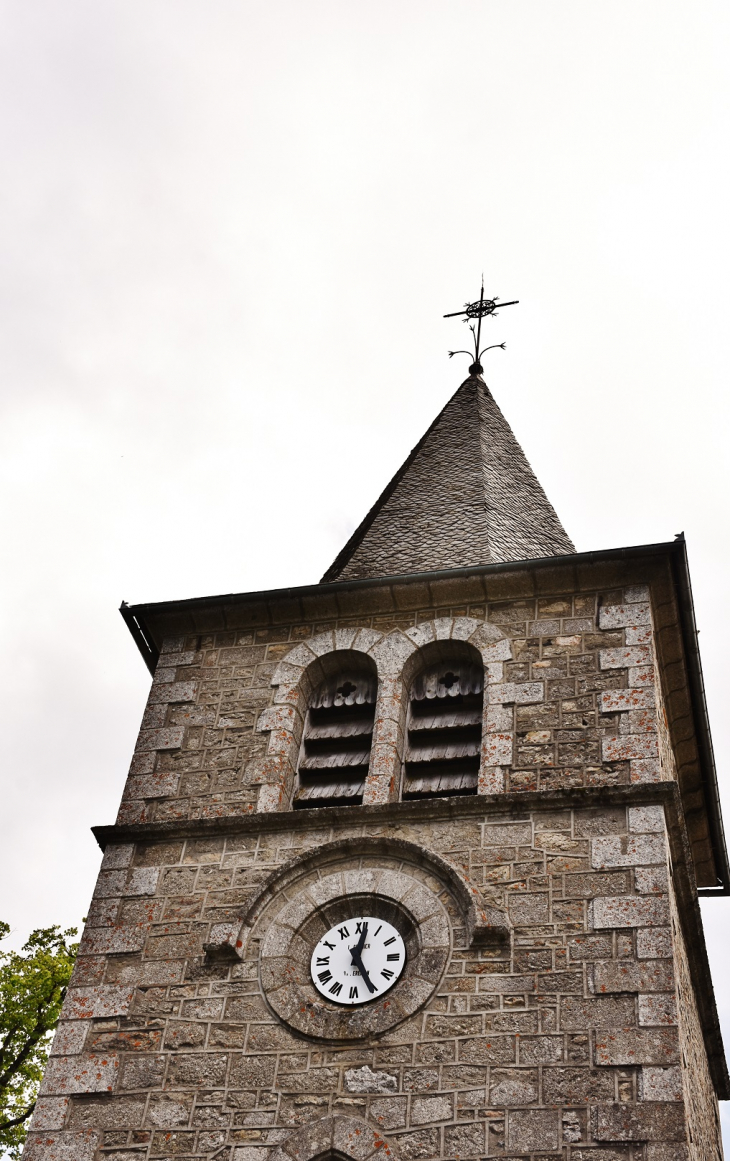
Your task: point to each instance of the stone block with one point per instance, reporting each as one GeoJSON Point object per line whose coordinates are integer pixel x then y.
{"type": "Point", "coordinates": [513, 1086]}
{"type": "Point", "coordinates": [365, 1080]}
{"type": "Point", "coordinates": [660, 1084]}
{"type": "Point", "coordinates": [612, 701]}
{"type": "Point", "coordinates": [578, 1013]}
{"type": "Point", "coordinates": [646, 819]}
{"type": "Point", "coordinates": [49, 1113]}
{"type": "Point", "coordinates": [172, 691]}
{"type": "Point", "coordinates": [390, 1112]}
{"type": "Point", "coordinates": [58, 1146]}
{"type": "Point", "coordinates": [143, 1072]}
{"type": "Point", "coordinates": [168, 738]}
{"type": "Point", "coordinates": [487, 1050]}
{"type": "Point", "coordinates": [645, 770]}
{"type": "Point", "coordinates": [576, 1085]}
{"type": "Point", "coordinates": [651, 880]}
{"type": "Point", "coordinates": [79, 1074]}
{"type": "Point", "coordinates": [352, 1138]}
{"type": "Point", "coordinates": [675, 1152]}
{"type": "Point", "coordinates": [142, 881]}
{"type": "Point", "coordinates": [506, 835]}
{"type": "Point", "coordinates": [173, 658]}
{"type": "Point", "coordinates": [100, 1001]}
{"type": "Point", "coordinates": [625, 911]}
{"type": "Point", "coordinates": [544, 628]}
{"type": "Point", "coordinates": [69, 1038]}
{"type": "Point", "coordinates": [528, 909]}
{"type": "Point", "coordinates": [637, 1046]}
{"type": "Point", "coordinates": [202, 1070]}
{"type": "Point", "coordinates": [657, 1010]}
{"type": "Point", "coordinates": [427, 1109]}
{"type": "Point", "coordinates": [465, 1140]}
{"type": "Point", "coordinates": [162, 784]}
{"type": "Point", "coordinates": [223, 941]}
{"type": "Point", "coordinates": [654, 943]}
{"type": "Point", "coordinates": [628, 746]}
{"type": "Point", "coordinates": [658, 1121]}
{"type": "Point", "coordinates": [112, 940]}
{"type": "Point", "coordinates": [619, 616]}
{"type": "Point", "coordinates": [639, 634]}
{"type": "Point", "coordinates": [624, 657]}
{"type": "Point", "coordinates": [587, 886]}
{"type": "Point", "coordinates": [117, 855]}
{"type": "Point", "coordinates": [627, 975]}
{"type": "Point", "coordinates": [497, 749]}
{"type": "Point", "coordinates": [520, 693]}
{"type": "Point", "coordinates": [529, 1130]}
{"type": "Point", "coordinates": [636, 850]}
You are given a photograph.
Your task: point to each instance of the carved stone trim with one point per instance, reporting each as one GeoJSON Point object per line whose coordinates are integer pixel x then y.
{"type": "Point", "coordinates": [348, 1137]}
{"type": "Point", "coordinates": [395, 656]}
{"type": "Point", "coordinates": [483, 921]}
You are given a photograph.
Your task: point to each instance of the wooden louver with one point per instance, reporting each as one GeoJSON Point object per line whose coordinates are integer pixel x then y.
{"type": "Point", "coordinates": [444, 730]}
{"type": "Point", "coordinates": [335, 754]}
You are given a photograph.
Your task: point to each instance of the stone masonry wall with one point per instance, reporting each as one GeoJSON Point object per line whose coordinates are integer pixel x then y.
{"type": "Point", "coordinates": [577, 699]}
{"type": "Point", "coordinates": [559, 1037]}
{"type": "Point", "coordinates": [561, 1043]}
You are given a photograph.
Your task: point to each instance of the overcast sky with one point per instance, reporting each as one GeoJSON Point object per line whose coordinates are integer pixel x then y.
{"type": "Point", "coordinates": [228, 233]}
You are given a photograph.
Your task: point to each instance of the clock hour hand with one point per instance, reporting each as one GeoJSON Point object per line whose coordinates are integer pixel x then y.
{"type": "Point", "coordinates": [357, 960]}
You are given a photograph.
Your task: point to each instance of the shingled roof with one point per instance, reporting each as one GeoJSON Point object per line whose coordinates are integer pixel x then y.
{"type": "Point", "coordinates": [466, 495]}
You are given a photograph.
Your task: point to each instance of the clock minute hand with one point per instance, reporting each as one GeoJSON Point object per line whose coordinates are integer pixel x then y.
{"type": "Point", "coordinates": [356, 953]}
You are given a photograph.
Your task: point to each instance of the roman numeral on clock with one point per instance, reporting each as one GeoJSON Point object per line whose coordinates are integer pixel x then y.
{"type": "Point", "coordinates": [389, 941]}
{"type": "Point", "coordinates": [353, 993]}
{"type": "Point", "coordinates": [324, 959]}
{"type": "Point", "coordinates": [387, 973]}
{"type": "Point", "coordinates": [392, 955]}
{"type": "Point", "coordinates": [343, 933]}
{"type": "Point", "coordinates": [324, 977]}
{"type": "Point", "coordinates": [336, 989]}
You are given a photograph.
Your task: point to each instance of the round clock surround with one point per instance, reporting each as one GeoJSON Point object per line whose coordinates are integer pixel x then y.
{"type": "Point", "coordinates": [356, 961]}
{"type": "Point", "coordinates": [290, 928]}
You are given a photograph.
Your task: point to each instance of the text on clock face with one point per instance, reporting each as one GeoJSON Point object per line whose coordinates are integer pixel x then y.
{"type": "Point", "coordinates": [358, 960]}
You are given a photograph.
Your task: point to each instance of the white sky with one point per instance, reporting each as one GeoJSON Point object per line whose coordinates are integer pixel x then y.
{"type": "Point", "coordinates": [228, 233]}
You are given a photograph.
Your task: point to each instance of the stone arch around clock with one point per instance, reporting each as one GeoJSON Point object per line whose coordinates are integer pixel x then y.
{"type": "Point", "coordinates": [428, 899]}
{"type": "Point", "coordinates": [483, 918]}
{"type": "Point", "coordinates": [395, 655]}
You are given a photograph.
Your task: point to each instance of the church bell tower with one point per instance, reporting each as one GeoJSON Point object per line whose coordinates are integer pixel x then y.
{"type": "Point", "coordinates": [407, 863]}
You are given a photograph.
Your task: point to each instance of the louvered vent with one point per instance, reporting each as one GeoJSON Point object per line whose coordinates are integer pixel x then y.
{"type": "Point", "coordinates": [444, 730]}
{"type": "Point", "coordinates": [335, 753]}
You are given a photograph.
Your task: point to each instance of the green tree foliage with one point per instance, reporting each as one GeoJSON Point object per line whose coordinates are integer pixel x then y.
{"type": "Point", "coordinates": [32, 987]}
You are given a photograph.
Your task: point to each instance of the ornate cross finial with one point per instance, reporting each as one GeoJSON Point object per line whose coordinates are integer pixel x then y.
{"type": "Point", "coordinates": [478, 310]}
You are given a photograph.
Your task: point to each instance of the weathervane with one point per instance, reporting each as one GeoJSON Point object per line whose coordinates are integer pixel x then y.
{"type": "Point", "coordinates": [478, 310]}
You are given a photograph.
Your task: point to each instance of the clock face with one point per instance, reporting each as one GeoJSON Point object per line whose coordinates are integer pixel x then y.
{"type": "Point", "coordinates": [358, 960]}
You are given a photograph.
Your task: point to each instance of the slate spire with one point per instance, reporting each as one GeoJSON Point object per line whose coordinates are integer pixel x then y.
{"type": "Point", "coordinates": [466, 495]}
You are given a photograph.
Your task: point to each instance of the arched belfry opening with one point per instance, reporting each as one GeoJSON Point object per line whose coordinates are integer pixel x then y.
{"type": "Point", "coordinates": [444, 722]}
{"type": "Point", "coordinates": [338, 731]}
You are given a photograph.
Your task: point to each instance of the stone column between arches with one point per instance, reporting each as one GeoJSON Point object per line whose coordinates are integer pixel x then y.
{"type": "Point", "coordinates": [391, 652]}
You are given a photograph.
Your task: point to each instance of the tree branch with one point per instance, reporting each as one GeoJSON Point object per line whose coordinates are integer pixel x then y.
{"type": "Point", "coordinates": [17, 1120]}
{"type": "Point", "coordinates": [38, 1032]}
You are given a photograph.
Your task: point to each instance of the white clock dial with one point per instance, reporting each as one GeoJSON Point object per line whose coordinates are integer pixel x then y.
{"type": "Point", "coordinates": [358, 960]}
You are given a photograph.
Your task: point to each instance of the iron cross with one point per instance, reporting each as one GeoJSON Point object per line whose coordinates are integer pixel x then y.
{"type": "Point", "coordinates": [478, 310]}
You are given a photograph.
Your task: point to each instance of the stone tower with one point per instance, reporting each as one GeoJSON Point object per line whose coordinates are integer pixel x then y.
{"type": "Point", "coordinates": [469, 739]}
